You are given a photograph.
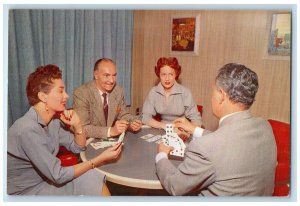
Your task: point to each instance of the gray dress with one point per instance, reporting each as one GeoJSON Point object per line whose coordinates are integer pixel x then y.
{"type": "Point", "coordinates": [32, 165]}
{"type": "Point", "coordinates": [180, 104]}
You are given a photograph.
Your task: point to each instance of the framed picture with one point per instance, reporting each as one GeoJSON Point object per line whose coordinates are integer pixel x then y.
{"type": "Point", "coordinates": [279, 42]}
{"type": "Point", "coordinates": [184, 37]}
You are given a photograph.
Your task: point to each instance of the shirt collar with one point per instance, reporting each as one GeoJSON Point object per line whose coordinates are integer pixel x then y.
{"type": "Point", "coordinates": [228, 115]}
{"type": "Point", "coordinates": [36, 117]}
{"type": "Point", "coordinates": [102, 92]}
{"type": "Point", "coordinates": [175, 88]}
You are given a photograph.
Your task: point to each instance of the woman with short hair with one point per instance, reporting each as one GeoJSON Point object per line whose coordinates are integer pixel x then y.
{"type": "Point", "coordinates": [169, 98]}
{"type": "Point", "coordinates": [35, 138]}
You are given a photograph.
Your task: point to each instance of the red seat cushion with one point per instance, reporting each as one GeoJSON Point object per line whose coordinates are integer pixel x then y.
{"type": "Point", "coordinates": [66, 157]}
{"type": "Point", "coordinates": [63, 150]}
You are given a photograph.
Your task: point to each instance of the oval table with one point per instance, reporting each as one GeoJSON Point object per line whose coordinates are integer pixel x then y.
{"type": "Point", "coordinates": [136, 165]}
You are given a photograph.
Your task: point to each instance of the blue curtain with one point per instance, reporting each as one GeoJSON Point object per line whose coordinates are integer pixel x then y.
{"type": "Point", "coordinates": [70, 39]}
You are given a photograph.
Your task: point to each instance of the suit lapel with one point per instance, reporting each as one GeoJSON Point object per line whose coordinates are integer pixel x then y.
{"type": "Point", "coordinates": [98, 107]}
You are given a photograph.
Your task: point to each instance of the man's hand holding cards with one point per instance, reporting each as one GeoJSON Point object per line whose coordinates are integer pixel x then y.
{"type": "Point", "coordinates": [135, 123]}
{"type": "Point", "coordinates": [134, 118]}
{"type": "Point", "coordinates": [171, 139]}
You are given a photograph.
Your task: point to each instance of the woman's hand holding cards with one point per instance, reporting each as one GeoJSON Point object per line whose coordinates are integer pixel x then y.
{"type": "Point", "coordinates": [112, 153]}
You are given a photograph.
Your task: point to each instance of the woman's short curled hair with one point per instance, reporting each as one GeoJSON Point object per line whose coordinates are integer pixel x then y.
{"type": "Point", "coordinates": [171, 62]}
{"type": "Point", "coordinates": [41, 80]}
{"type": "Point", "coordinates": [239, 83]}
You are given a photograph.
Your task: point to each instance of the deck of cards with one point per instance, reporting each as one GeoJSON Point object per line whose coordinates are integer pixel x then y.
{"type": "Point", "coordinates": [135, 117]}
{"type": "Point", "coordinates": [107, 143]}
{"type": "Point", "coordinates": [171, 139]}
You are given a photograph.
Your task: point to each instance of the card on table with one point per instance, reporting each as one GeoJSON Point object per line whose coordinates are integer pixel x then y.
{"type": "Point", "coordinates": [95, 145]}
{"type": "Point", "coordinates": [153, 139]}
{"type": "Point", "coordinates": [102, 144]}
{"type": "Point", "coordinates": [159, 141]}
{"type": "Point", "coordinates": [147, 136]}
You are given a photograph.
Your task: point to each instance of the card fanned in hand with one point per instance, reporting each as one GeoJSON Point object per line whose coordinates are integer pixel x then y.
{"type": "Point", "coordinates": [171, 139]}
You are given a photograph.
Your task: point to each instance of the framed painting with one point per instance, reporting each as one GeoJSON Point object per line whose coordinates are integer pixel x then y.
{"type": "Point", "coordinates": [279, 42]}
{"type": "Point", "coordinates": [185, 35]}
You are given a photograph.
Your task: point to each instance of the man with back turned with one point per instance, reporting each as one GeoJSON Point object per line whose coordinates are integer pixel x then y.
{"type": "Point", "coordinates": [239, 158]}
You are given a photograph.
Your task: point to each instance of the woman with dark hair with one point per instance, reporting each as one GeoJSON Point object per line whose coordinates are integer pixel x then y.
{"type": "Point", "coordinates": [34, 140]}
{"type": "Point", "coordinates": [169, 99]}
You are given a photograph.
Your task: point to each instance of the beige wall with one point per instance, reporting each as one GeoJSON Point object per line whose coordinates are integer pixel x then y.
{"type": "Point", "coordinates": [225, 36]}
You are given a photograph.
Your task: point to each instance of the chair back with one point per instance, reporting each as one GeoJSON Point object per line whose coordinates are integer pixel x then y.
{"type": "Point", "coordinates": [200, 109]}
{"type": "Point", "coordinates": [281, 132]}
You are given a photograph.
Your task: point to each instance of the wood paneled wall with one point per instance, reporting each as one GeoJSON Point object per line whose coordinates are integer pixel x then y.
{"type": "Point", "coordinates": [225, 36]}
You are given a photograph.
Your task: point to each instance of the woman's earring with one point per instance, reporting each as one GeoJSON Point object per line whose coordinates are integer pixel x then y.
{"type": "Point", "coordinates": [46, 107]}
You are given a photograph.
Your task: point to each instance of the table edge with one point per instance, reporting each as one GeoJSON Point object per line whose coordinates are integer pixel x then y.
{"type": "Point", "coordinates": [131, 182]}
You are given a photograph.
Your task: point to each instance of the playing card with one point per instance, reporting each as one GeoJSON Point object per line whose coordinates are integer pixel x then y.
{"type": "Point", "coordinates": [95, 146]}
{"type": "Point", "coordinates": [121, 137]}
{"type": "Point", "coordinates": [169, 128]}
{"type": "Point", "coordinates": [155, 138]}
{"type": "Point", "coordinates": [173, 140]}
{"type": "Point", "coordinates": [177, 152]}
{"type": "Point", "coordinates": [111, 139]}
{"type": "Point", "coordinates": [165, 140]}
{"type": "Point", "coordinates": [98, 145]}
{"type": "Point", "coordinates": [139, 117]}
{"type": "Point", "coordinates": [147, 136]}
{"type": "Point", "coordinates": [159, 141]}
{"type": "Point", "coordinates": [107, 142]}
{"type": "Point", "coordinates": [136, 117]}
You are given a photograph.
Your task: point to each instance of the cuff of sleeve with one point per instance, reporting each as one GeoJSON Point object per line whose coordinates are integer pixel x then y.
{"type": "Point", "coordinates": [146, 119]}
{"type": "Point", "coordinates": [108, 132]}
{"type": "Point", "coordinates": [160, 156]}
{"type": "Point", "coordinates": [198, 132]}
{"type": "Point", "coordinates": [83, 148]}
{"type": "Point", "coordinates": [77, 148]}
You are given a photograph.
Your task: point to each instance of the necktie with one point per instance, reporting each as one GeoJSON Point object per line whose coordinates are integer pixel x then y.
{"type": "Point", "coordinates": [105, 106]}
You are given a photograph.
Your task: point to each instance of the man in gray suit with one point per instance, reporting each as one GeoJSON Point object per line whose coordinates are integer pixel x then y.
{"type": "Point", "coordinates": [100, 104]}
{"type": "Point", "coordinates": [239, 158]}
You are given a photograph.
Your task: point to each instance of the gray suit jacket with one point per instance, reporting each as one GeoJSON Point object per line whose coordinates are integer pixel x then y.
{"type": "Point", "coordinates": [88, 105]}
{"type": "Point", "coordinates": [239, 158]}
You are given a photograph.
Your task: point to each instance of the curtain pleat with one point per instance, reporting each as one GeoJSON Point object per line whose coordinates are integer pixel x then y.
{"type": "Point", "coordinates": [71, 39]}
